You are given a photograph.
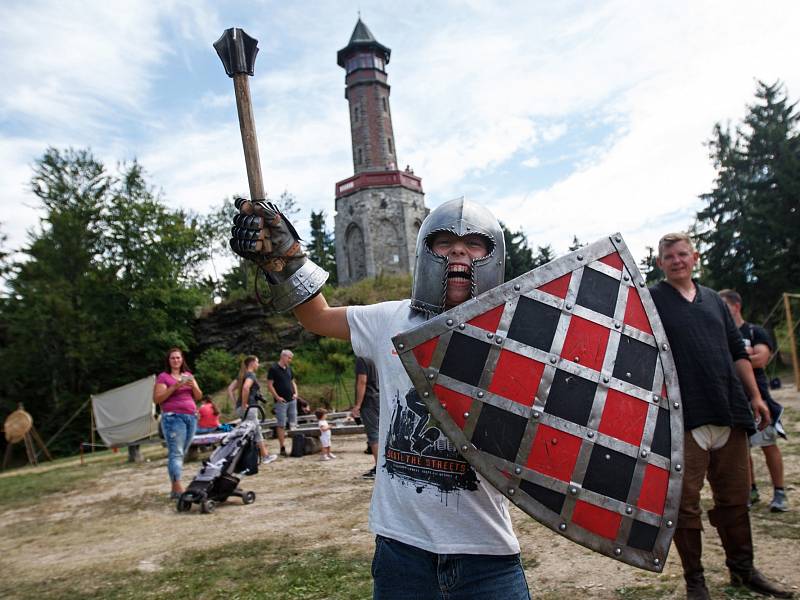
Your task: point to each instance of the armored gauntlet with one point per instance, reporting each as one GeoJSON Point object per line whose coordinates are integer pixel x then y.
{"type": "Point", "coordinates": [262, 234]}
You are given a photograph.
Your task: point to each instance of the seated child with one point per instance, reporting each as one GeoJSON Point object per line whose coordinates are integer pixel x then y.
{"type": "Point", "coordinates": [209, 415]}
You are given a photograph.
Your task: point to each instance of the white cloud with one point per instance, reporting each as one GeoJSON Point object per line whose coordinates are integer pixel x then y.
{"type": "Point", "coordinates": [484, 96]}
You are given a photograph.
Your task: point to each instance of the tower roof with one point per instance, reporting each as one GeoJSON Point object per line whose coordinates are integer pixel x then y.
{"type": "Point", "coordinates": [362, 39]}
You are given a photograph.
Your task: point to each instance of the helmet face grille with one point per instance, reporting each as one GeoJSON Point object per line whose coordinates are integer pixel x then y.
{"type": "Point", "coordinates": [460, 218]}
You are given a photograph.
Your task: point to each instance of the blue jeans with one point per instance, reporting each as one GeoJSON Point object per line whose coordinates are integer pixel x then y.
{"type": "Point", "coordinates": [178, 432]}
{"type": "Point", "coordinates": [403, 572]}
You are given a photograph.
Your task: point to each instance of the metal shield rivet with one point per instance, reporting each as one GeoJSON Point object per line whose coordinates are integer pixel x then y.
{"type": "Point", "coordinates": [573, 490]}
{"type": "Point", "coordinates": [401, 346]}
{"type": "Point", "coordinates": [606, 379]}
{"type": "Point", "coordinates": [628, 375]}
{"type": "Point", "coordinates": [480, 394]}
{"type": "Point", "coordinates": [675, 405]}
{"type": "Point", "coordinates": [449, 322]}
{"type": "Point", "coordinates": [426, 394]}
{"type": "Point", "coordinates": [656, 562]}
{"type": "Point", "coordinates": [628, 510]}
{"type": "Point", "coordinates": [580, 257]}
{"type": "Point", "coordinates": [590, 434]}
{"type": "Point", "coordinates": [617, 324]}
{"type": "Point", "coordinates": [577, 359]}
{"type": "Point", "coordinates": [517, 470]}
{"type": "Point", "coordinates": [498, 339]}
{"type": "Point", "coordinates": [669, 523]}
{"type": "Point", "coordinates": [554, 441]}
{"type": "Point", "coordinates": [535, 415]}
{"type": "Point", "coordinates": [607, 457]}
{"type": "Point", "coordinates": [617, 551]}
{"type": "Point", "coordinates": [511, 491]}
{"type": "Point", "coordinates": [553, 359]}
{"type": "Point", "coordinates": [656, 398]}
{"type": "Point", "coordinates": [562, 526]}
{"type": "Point", "coordinates": [568, 306]}
{"type": "Point", "coordinates": [643, 453]}
{"type": "Point", "coordinates": [461, 326]}
{"type": "Point", "coordinates": [466, 415]}
{"type": "Point", "coordinates": [625, 277]}
{"type": "Point", "coordinates": [490, 335]}
{"type": "Point", "coordinates": [516, 287]}
{"type": "Point", "coordinates": [431, 375]}
{"type": "Point", "coordinates": [641, 284]}
{"type": "Point", "coordinates": [617, 238]}
{"type": "Point", "coordinates": [664, 347]}
{"type": "Point", "coordinates": [464, 448]}
{"type": "Point", "coordinates": [678, 467]}
{"type": "Point", "coordinates": [444, 405]}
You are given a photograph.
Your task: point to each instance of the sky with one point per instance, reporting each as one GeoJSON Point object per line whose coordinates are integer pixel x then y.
{"type": "Point", "coordinates": [564, 118]}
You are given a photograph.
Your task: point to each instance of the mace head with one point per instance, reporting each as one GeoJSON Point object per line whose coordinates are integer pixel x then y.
{"type": "Point", "coordinates": [237, 51]}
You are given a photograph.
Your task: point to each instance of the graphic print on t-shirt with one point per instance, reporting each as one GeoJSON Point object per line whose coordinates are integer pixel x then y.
{"type": "Point", "coordinates": [419, 453]}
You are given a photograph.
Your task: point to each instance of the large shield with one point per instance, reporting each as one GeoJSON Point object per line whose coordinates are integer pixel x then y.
{"type": "Point", "coordinates": [559, 388]}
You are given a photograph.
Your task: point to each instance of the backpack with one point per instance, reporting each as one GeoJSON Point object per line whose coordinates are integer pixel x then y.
{"type": "Point", "coordinates": [298, 445]}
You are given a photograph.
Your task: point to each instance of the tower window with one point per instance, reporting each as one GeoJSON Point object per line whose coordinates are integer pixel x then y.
{"type": "Point", "coordinates": [389, 143]}
{"type": "Point", "coordinates": [355, 114]}
{"type": "Point", "coordinates": [360, 156]}
{"type": "Point", "coordinates": [385, 104]}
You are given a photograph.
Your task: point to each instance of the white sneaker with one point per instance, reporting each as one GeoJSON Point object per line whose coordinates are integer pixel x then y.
{"type": "Point", "coordinates": [324, 457]}
{"type": "Point", "coordinates": [332, 455]}
{"type": "Point", "coordinates": [269, 458]}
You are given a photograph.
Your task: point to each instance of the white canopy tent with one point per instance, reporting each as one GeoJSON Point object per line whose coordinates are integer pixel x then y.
{"type": "Point", "coordinates": [126, 414]}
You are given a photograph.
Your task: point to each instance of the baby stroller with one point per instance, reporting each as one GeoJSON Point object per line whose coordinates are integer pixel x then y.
{"type": "Point", "coordinates": [217, 479]}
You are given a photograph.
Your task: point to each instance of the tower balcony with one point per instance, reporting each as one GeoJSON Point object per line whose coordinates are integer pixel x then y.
{"type": "Point", "coordinates": [373, 179]}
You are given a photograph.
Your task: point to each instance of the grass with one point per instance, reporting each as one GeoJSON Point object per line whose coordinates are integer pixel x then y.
{"type": "Point", "coordinates": [26, 486]}
{"type": "Point", "coordinates": [260, 569]}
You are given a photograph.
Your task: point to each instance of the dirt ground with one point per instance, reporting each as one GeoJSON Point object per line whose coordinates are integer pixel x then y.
{"type": "Point", "coordinates": [124, 520]}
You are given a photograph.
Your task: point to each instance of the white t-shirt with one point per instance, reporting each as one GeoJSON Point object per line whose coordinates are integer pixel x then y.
{"type": "Point", "coordinates": [426, 494]}
{"type": "Point", "coordinates": [324, 436]}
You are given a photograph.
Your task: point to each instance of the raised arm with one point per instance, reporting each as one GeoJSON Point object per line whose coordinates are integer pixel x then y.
{"type": "Point", "coordinates": [316, 316]}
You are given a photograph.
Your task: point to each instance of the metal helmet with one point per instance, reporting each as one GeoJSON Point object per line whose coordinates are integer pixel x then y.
{"type": "Point", "coordinates": [460, 217]}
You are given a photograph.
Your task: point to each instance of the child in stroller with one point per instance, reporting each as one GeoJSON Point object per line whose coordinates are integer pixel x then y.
{"type": "Point", "coordinates": [217, 479]}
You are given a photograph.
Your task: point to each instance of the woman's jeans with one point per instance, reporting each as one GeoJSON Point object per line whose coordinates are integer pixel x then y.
{"type": "Point", "coordinates": [403, 572]}
{"type": "Point", "coordinates": [178, 430]}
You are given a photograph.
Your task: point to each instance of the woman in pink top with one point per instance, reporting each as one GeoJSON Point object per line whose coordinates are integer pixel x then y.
{"type": "Point", "coordinates": [175, 392]}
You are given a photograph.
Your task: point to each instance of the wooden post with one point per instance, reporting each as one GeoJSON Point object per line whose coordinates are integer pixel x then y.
{"type": "Point", "coordinates": [793, 343]}
{"type": "Point", "coordinates": [135, 454]}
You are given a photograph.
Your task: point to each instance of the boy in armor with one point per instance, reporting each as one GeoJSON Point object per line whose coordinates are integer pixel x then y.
{"type": "Point", "coordinates": [440, 530]}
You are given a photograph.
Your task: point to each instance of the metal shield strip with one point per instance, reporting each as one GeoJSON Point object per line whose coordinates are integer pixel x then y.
{"type": "Point", "coordinates": [559, 388]}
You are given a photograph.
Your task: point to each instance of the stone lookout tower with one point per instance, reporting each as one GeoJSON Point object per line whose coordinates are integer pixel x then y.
{"type": "Point", "coordinates": [380, 208]}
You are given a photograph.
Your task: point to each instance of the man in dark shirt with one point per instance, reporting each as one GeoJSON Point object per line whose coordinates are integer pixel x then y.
{"type": "Point", "coordinates": [367, 406]}
{"type": "Point", "coordinates": [712, 366]}
{"type": "Point", "coordinates": [283, 388]}
{"type": "Point", "coordinates": [759, 349]}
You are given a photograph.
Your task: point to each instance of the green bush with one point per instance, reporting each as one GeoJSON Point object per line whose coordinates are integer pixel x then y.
{"type": "Point", "coordinates": [215, 369]}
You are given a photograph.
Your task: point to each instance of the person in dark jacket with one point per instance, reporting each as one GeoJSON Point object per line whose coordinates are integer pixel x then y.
{"type": "Point", "coordinates": [716, 380]}
{"type": "Point", "coordinates": [759, 349]}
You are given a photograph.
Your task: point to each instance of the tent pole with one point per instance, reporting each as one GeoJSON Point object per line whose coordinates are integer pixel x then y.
{"type": "Point", "coordinates": [91, 426]}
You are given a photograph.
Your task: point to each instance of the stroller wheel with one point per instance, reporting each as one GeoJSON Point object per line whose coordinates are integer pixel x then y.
{"type": "Point", "coordinates": [207, 506]}
{"type": "Point", "coordinates": [249, 497]}
{"type": "Point", "coordinates": [183, 504]}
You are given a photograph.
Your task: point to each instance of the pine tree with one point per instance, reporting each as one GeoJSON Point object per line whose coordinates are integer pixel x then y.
{"type": "Point", "coordinates": [321, 248]}
{"type": "Point", "coordinates": [519, 257]}
{"type": "Point", "coordinates": [749, 230]}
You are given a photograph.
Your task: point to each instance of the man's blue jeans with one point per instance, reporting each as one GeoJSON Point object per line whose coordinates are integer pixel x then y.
{"type": "Point", "coordinates": [178, 431]}
{"type": "Point", "coordinates": [403, 572]}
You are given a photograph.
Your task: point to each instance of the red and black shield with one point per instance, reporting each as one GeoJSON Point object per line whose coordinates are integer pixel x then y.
{"type": "Point", "coordinates": [559, 388]}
